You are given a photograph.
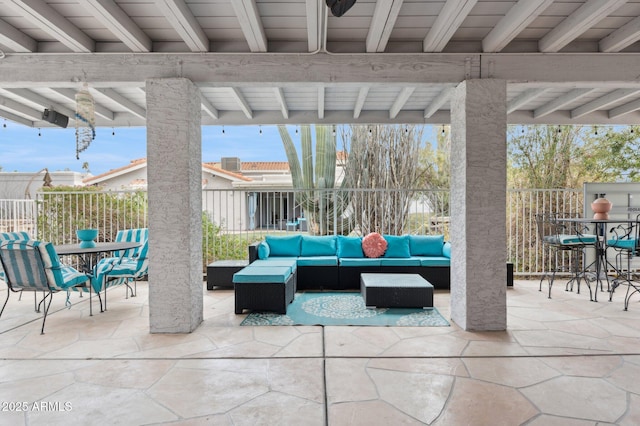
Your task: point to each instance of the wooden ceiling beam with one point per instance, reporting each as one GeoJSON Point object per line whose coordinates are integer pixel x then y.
{"type": "Point", "coordinates": [109, 14]}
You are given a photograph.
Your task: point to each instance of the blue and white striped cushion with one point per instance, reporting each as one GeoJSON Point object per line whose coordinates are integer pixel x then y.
{"type": "Point", "coordinates": [10, 236]}
{"type": "Point", "coordinates": [27, 272]}
{"type": "Point", "coordinates": [128, 264]}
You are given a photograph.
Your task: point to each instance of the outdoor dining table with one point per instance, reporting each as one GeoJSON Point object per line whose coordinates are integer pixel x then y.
{"type": "Point", "coordinates": [89, 257]}
{"type": "Point", "coordinates": [601, 262]}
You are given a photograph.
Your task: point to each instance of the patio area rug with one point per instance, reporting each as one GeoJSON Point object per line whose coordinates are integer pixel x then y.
{"type": "Point", "coordinates": [335, 308]}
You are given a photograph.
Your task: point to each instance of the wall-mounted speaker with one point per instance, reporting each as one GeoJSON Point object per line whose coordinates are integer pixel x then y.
{"type": "Point", "coordinates": [55, 117]}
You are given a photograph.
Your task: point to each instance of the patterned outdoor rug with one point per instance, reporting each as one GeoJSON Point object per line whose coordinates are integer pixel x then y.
{"type": "Point", "coordinates": [328, 308]}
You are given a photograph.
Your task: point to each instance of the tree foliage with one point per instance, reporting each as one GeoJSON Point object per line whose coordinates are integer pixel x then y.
{"type": "Point", "coordinates": [549, 157]}
{"type": "Point", "coordinates": [435, 171]}
{"type": "Point", "coordinates": [382, 158]}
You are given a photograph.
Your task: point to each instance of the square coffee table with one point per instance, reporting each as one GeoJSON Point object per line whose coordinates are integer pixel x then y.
{"type": "Point", "coordinates": [396, 291]}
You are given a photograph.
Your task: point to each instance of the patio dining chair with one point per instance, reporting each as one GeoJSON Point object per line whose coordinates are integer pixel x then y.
{"type": "Point", "coordinates": [12, 236]}
{"type": "Point", "coordinates": [560, 236]}
{"type": "Point", "coordinates": [31, 265]}
{"type": "Point", "coordinates": [626, 242]}
{"type": "Point", "coordinates": [125, 266]}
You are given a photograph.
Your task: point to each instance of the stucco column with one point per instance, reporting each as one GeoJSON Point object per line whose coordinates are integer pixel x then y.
{"type": "Point", "coordinates": [478, 205]}
{"type": "Point", "coordinates": [174, 175]}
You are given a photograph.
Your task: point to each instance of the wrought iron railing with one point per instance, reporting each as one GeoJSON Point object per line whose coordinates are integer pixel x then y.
{"type": "Point", "coordinates": [234, 218]}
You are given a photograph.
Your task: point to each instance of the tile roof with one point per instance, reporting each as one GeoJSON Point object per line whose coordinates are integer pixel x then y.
{"type": "Point", "coordinates": [259, 165]}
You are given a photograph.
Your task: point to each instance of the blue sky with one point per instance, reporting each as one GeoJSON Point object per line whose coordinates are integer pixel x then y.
{"type": "Point", "coordinates": [22, 150]}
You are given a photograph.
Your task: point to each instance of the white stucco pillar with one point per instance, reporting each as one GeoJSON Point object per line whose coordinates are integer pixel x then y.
{"type": "Point", "coordinates": [174, 175]}
{"type": "Point", "coordinates": [478, 205]}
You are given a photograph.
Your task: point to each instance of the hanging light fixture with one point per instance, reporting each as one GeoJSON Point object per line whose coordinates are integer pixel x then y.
{"type": "Point", "coordinates": [85, 119]}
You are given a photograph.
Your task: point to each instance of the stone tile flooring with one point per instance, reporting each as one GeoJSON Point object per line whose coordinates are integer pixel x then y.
{"type": "Point", "coordinates": [562, 361]}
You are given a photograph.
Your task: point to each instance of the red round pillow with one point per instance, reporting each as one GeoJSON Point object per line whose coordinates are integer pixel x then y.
{"type": "Point", "coordinates": [374, 245]}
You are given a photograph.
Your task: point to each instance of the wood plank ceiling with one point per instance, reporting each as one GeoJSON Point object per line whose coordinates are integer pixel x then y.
{"type": "Point", "coordinates": [291, 61]}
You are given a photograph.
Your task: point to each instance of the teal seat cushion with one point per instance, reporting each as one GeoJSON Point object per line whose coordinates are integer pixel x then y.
{"type": "Point", "coordinates": [626, 244]}
{"type": "Point", "coordinates": [365, 261]}
{"type": "Point", "coordinates": [569, 239]}
{"type": "Point", "coordinates": [287, 246]}
{"type": "Point", "coordinates": [400, 261]}
{"type": "Point", "coordinates": [397, 246]}
{"type": "Point", "coordinates": [350, 247]}
{"type": "Point", "coordinates": [318, 246]}
{"type": "Point", "coordinates": [290, 262]}
{"type": "Point", "coordinates": [318, 261]}
{"type": "Point", "coordinates": [435, 261]}
{"type": "Point", "coordinates": [262, 274]}
{"type": "Point", "coordinates": [426, 245]}
{"type": "Point", "coordinates": [263, 250]}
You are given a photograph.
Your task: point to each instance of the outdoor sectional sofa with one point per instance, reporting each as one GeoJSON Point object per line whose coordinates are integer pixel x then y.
{"type": "Point", "coordinates": [336, 262]}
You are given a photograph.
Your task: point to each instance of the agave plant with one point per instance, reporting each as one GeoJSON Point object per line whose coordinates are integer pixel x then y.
{"type": "Point", "coordinates": [323, 206]}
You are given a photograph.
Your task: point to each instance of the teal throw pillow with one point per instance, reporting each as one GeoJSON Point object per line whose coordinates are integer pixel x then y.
{"type": "Point", "coordinates": [426, 245]}
{"type": "Point", "coordinates": [397, 246]}
{"type": "Point", "coordinates": [350, 247]}
{"type": "Point", "coordinates": [446, 250]}
{"type": "Point", "coordinates": [318, 246]}
{"type": "Point", "coordinates": [288, 246]}
{"type": "Point", "coordinates": [263, 250]}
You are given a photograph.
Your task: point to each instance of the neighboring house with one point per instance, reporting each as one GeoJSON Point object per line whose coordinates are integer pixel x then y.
{"type": "Point", "coordinates": [18, 193]}
{"type": "Point", "coordinates": [24, 185]}
{"type": "Point", "coordinates": [256, 194]}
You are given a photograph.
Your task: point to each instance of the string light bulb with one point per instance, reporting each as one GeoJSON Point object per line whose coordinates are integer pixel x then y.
{"type": "Point", "coordinates": [39, 132]}
{"type": "Point", "coordinates": [333, 132]}
{"type": "Point", "coordinates": [223, 130]}
{"type": "Point", "coordinates": [260, 129]}
{"type": "Point", "coordinates": [596, 130]}
{"type": "Point", "coordinates": [113, 131]}
{"type": "Point", "coordinates": [559, 130]}
{"type": "Point", "coordinates": [296, 130]}
{"type": "Point", "coordinates": [370, 131]}
{"type": "Point", "coordinates": [443, 130]}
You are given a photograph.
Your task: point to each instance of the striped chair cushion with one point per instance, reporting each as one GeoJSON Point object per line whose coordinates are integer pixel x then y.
{"type": "Point", "coordinates": [28, 271]}
{"type": "Point", "coordinates": [128, 264]}
{"type": "Point", "coordinates": [9, 236]}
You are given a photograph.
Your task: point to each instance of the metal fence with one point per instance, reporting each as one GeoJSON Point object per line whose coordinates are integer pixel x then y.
{"type": "Point", "coordinates": [232, 219]}
{"type": "Point", "coordinates": [17, 215]}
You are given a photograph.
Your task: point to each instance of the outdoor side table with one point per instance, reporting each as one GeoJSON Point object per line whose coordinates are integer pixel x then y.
{"type": "Point", "coordinates": [220, 273]}
{"type": "Point", "coordinates": [396, 291]}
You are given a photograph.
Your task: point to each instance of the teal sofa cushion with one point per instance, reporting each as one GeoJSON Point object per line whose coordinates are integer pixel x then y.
{"type": "Point", "coordinates": [318, 246]}
{"type": "Point", "coordinates": [290, 262]}
{"type": "Point", "coordinates": [350, 247]}
{"type": "Point", "coordinates": [318, 261]}
{"type": "Point", "coordinates": [400, 261]}
{"type": "Point", "coordinates": [263, 250]}
{"type": "Point", "coordinates": [262, 274]}
{"type": "Point", "coordinates": [426, 245]}
{"type": "Point", "coordinates": [364, 261]}
{"type": "Point", "coordinates": [435, 261]}
{"type": "Point", "coordinates": [397, 246]}
{"type": "Point", "coordinates": [288, 246]}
